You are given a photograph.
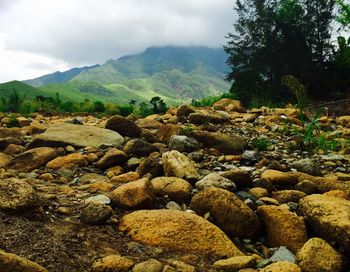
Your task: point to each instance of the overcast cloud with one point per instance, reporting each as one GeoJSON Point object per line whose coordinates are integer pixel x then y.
{"type": "Point", "coordinates": [42, 36]}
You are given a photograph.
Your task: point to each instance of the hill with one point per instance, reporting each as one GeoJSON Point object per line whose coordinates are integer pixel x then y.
{"type": "Point", "coordinates": [173, 73]}
{"type": "Point", "coordinates": [22, 89]}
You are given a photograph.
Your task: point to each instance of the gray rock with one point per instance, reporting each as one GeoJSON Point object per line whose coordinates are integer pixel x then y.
{"type": "Point", "coordinates": [307, 166]}
{"type": "Point", "coordinates": [183, 143]}
{"type": "Point", "coordinates": [283, 254]}
{"type": "Point", "coordinates": [139, 148]}
{"type": "Point", "coordinates": [96, 213]}
{"type": "Point", "coordinates": [123, 126]}
{"type": "Point", "coordinates": [63, 134]}
{"type": "Point", "coordinates": [101, 199]}
{"type": "Point", "coordinates": [215, 180]}
{"type": "Point", "coordinates": [307, 186]}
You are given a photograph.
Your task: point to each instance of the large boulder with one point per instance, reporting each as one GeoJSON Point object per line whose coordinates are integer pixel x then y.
{"type": "Point", "coordinates": [32, 159]}
{"type": "Point", "coordinates": [278, 178]}
{"type": "Point", "coordinates": [16, 194]}
{"type": "Point", "coordinates": [227, 144]}
{"type": "Point", "coordinates": [178, 231]}
{"type": "Point", "coordinates": [329, 217]}
{"type": "Point", "coordinates": [123, 126]}
{"type": "Point", "coordinates": [14, 263]}
{"type": "Point", "coordinates": [63, 134]}
{"type": "Point", "coordinates": [229, 212]}
{"type": "Point", "coordinates": [68, 161]}
{"type": "Point", "coordinates": [282, 227]}
{"type": "Point", "coordinates": [176, 164]}
{"type": "Point", "coordinates": [317, 255]}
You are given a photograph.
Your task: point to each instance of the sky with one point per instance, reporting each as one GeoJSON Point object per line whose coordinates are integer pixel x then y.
{"type": "Point", "coordinates": [38, 37]}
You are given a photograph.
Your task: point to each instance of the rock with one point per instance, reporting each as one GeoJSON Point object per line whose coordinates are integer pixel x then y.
{"type": "Point", "coordinates": [250, 156]}
{"type": "Point", "coordinates": [278, 178]}
{"type": "Point", "coordinates": [139, 148]}
{"type": "Point", "coordinates": [23, 122]}
{"type": "Point", "coordinates": [4, 160]}
{"type": "Point", "coordinates": [281, 267]}
{"type": "Point", "coordinates": [150, 265]}
{"type": "Point", "coordinates": [180, 266]}
{"type": "Point", "coordinates": [240, 177]}
{"type": "Point", "coordinates": [282, 227]}
{"type": "Point", "coordinates": [307, 166]}
{"type": "Point", "coordinates": [5, 142]}
{"type": "Point", "coordinates": [63, 134]}
{"type": "Point", "coordinates": [96, 213]}
{"type": "Point", "coordinates": [234, 264]}
{"type": "Point", "coordinates": [307, 186]}
{"type": "Point", "coordinates": [282, 254]}
{"type": "Point", "coordinates": [227, 144]}
{"type": "Point", "coordinates": [317, 255]}
{"type": "Point", "coordinates": [178, 165]}
{"type": "Point", "coordinates": [178, 231]}
{"type": "Point", "coordinates": [230, 213]}
{"type": "Point", "coordinates": [215, 180]}
{"type": "Point", "coordinates": [10, 132]}
{"type": "Point", "coordinates": [13, 149]}
{"type": "Point", "coordinates": [227, 104]}
{"type": "Point", "coordinates": [14, 263]}
{"type": "Point", "coordinates": [135, 194]}
{"type": "Point", "coordinates": [16, 194]}
{"type": "Point", "coordinates": [199, 118]}
{"type": "Point", "coordinates": [112, 157]}
{"type": "Point", "coordinates": [125, 178]}
{"type": "Point", "coordinates": [167, 131]}
{"type": "Point", "coordinates": [285, 196]}
{"type": "Point", "coordinates": [258, 192]}
{"type": "Point", "coordinates": [112, 263]}
{"type": "Point", "coordinates": [338, 193]}
{"type": "Point", "coordinates": [70, 161]}
{"type": "Point", "coordinates": [123, 126]}
{"type": "Point", "coordinates": [176, 188]}
{"type": "Point", "coordinates": [184, 111]}
{"type": "Point", "coordinates": [183, 143]}
{"type": "Point", "coordinates": [329, 217]}
{"type": "Point", "coordinates": [151, 166]}
{"type": "Point", "coordinates": [32, 159]}
{"type": "Point", "coordinates": [101, 199]}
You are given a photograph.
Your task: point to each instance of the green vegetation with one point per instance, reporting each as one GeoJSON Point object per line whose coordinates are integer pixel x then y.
{"type": "Point", "coordinates": [210, 100]}
{"type": "Point", "coordinates": [280, 46]}
{"type": "Point", "coordinates": [261, 144]}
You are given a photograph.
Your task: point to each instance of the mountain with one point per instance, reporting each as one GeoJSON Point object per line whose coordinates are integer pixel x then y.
{"type": "Point", "coordinates": [58, 77]}
{"type": "Point", "coordinates": [173, 73]}
{"type": "Point", "coordinates": [22, 89]}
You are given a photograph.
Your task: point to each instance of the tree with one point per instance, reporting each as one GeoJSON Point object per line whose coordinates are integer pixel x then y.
{"type": "Point", "coordinates": [344, 14]}
{"type": "Point", "coordinates": [158, 104]}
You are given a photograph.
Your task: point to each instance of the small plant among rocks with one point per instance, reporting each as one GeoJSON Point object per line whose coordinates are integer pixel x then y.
{"type": "Point", "coordinates": [261, 144]}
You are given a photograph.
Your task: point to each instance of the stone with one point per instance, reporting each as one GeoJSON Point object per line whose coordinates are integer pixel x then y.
{"type": "Point", "coordinates": [32, 159]}
{"type": "Point", "coordinates": [307, 186]}
{"type": "Point", "coordinates": [16, 194]}
{"type": "Point", "coordinates": [22, 121]}
{"type": "Point", "coordinates": [307, 166]}
{"type": "Point", "coordinates": [14, 263]}
{"type": "Point", "coordinates": [282, 227]}
{"type": "Point", "coordinates": [101, 199]}
{"type": "Point", "coordinates": [199, 118]}
{"type": "Point", "coordinates": [285, 196]}
{"type": "Point", "coordinates": [13, 149]}
{"type": "Point", "coordinates": [215, 180]}
{"type": "Point", "coordinates": [112, 263]}
{"type": "Point", "coordinates": [281, 267]}
{"type": "Point", "coordinates": [112, 157]}
{"type": "Point", "coordinates": [123, 126]}
{"type": "Point", "coordinates": [258, 192]}
{"type": "Point", "coordinates": [167, 131]}
{"type": "Point", "coordinates": [317, 255]}
{"type": "Point", "coordinates": [70, 161]}
{"type": "Point", "coordinates": [5, 142]}
{"type": "Point", "coordinates": [227, 144]}
{"type": "Point", "coordinates": [179, 165]}
{"type": "Point", "coordinates": [96, 213]}
{"type": "Point", "coordinates": [337, 193]}
{"type": "Point", "coordinates": [125, 178]}
{"type": "Point", "coordinates": [228, 211]}
{"type": "Point", "coordinates": [184, 111]}
{"type": "Point", "coordinates": [329, 217]}
{"type": "Point", "coordinates": [235, 264]}
{"type": "Point", "coordinates": [151, 166]}
{"type": "Point", "coordinates": [139, 148]}
{"type": "Point", "coordinates": [240, 177]}
{"type": "Point", "coordinates": [175, 188]}
{"type": "Point", "coordinates": [4, 160]}
{"type": "Point", "coordinates": [228, 104]}
{"type": "Point", "coordinates": [150, 265]}
{"type": "Point", "coordinates": [178, 231]}
{"type": "Point", "coordinates": [279, 178]}
{"type": "Point", "coordinates": [10, 132]}
{"type": "Point", "coordinates": [183, 143]}
{"type": "Point", "coordinates": [282, 254]}
{"type": "Point", "coordinates": [62, 134]}
{"type": "Point", "coordinates": [135, 194]}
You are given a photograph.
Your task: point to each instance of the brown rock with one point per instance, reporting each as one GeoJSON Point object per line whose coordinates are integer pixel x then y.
{"type": "Point", "coordinates": [338, 193]}
{"type": "Point", "coordinates": [22, 121]}
{"type": "Point", "coordinates": [240, 177]}
{"type": "Point", "coordinates": [230, 213]}
{"type": "Point", "coordinates": [166, 131]}
{"type": "Point", "coordinates": [282, 227]}
{"type": "Point", "coordinates": [317, 255]}
{"type": "Point", "coordinates": [285, 196]}
{"type": "Point", "coordinates": [150, 265]}
{"type": "Point", "coordinates": [184, 111]}
{"type": "Point", "coordinates": [13, 149]}
{"type": "Point", "coordinates": [10, 132]}
{"type": "Point", "coordinates": [234, 264]}
{"type": "Point", "coordinates": [176, 188]}
{"type": "Point", "coordinates": [112, 157]}
{"type": "Point", "coordinates": [96, 213]}
{"type": "Point", "coordinates": [112, 263]}
{"type": "Point", "coordinates": [259, 192]}
{"type": "Point", "coordinates": [135, 194]}
{"type": "Point", "coordinates": [227, 104]}
{"type": "Point", "coordinates": [139, 148]}
{"type": "Point", "coordinates": [14, 263]}
{"type": "Point", "coordinates": [5, 142]}
{"type": "Point", "coordinates": [281, 267]}
{"type": "Point", "coordinates": [4, 160]}
{"type": "Point", "coordinates": [125, 178]}
{"type": "Point", "coordinates": [123, 126]}
{"type": "Point", "coordinates": [179, 231]}
{"type": "Point", "coordinates": [279, 178]}
{"type": "Point", "coordinates": [178, 165]}
{"type": "Point", "coordinates": [329, 217]}
{"type": "Point", "coordinates": [69, 161]}
{"type": "Point", "coordinates": [32, 159]}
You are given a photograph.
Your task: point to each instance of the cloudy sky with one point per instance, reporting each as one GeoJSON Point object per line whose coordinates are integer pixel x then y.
{"type": "Point", "coordinates": [42, 36]}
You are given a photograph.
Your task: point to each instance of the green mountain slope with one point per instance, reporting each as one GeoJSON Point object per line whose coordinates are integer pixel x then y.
{"type": "Point", "coordinates": [23, 90]}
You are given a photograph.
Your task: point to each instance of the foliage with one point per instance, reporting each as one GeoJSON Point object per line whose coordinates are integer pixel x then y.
{"type": "Point", "coordinates": [344, 14]}
{"type": "Point", "coordinates": [260, 144]}
{"type": "Point", "coordinates": [210, 100]}
{"type": "Point", "coordinates": [297, 89]}
{"type": "Point", "coordinates": [158, 105]}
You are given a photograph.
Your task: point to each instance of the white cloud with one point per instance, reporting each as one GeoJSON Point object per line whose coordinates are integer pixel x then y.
{"type": "Point", "coordinates": [66, 33]}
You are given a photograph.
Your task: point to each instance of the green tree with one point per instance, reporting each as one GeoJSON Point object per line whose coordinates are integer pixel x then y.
{"type": "Point", "coordinates": [158, 104]}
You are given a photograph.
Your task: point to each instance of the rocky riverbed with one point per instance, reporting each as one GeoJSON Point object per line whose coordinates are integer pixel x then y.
{"type": "Point", "coordinates": [196, 189]}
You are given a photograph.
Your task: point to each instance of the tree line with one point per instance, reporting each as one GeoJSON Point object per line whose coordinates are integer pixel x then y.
{"type": "Point", "coordinates": [278, 44]}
